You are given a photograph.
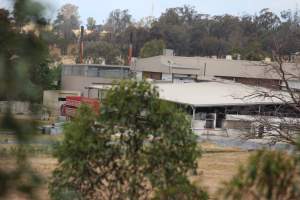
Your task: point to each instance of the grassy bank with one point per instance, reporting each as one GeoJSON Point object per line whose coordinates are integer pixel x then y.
{"type": "Point", "coordinates": [216, 165]}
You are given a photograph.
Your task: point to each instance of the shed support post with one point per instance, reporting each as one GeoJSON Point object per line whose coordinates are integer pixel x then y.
{"type": "Point", "coordinates": [215, 119]}
{"type": "Point", "coordinates": [194, 115]}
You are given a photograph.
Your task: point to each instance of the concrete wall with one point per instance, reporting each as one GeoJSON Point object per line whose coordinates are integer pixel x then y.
{"type": "Point", "coordinates": [232, 124]}
{"type": "Point", "coordinates": [79, 83]}
{"type": "Point", "coordinates": [17, 107]}
{"type": "Point", "coordinates": [212, 67]}
{"type": "Point", "coordinates": [238, 122]}
{"type": "Point", "coordinates": [268, 83]}
{"type": "Point", "coordinates": [177, 70]}
{"type": "Point", "coordinates": [227, 124]}
{"type": "Point", "coordinates": [198, 124]}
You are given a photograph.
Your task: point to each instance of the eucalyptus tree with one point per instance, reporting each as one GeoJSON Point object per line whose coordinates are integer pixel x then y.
{"type": "Point", "coordinates": [139, 147]}
{"type": "Point", "coordinates": [67, 20]}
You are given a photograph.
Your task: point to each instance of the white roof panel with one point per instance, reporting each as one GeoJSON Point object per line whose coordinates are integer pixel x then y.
{"type": "Point", "coordinates": [100, 86]}
{"type": "Point", "coordinates": [208, 94]}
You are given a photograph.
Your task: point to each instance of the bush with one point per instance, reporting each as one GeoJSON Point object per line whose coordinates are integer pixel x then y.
{"type": "Point", "coordinates": [268, 175]}
{"type": "Point", "coordinates": [139, 145]}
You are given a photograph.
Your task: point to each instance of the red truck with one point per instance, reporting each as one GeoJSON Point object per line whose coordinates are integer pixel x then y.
{"type": "Point", "coordinates": [69, 108]}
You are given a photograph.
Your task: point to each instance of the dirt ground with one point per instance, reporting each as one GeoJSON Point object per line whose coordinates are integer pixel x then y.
{"type": "Point", "coordinates": [42, 165]}
{"type": "Point", "coordinates": [215, 166]}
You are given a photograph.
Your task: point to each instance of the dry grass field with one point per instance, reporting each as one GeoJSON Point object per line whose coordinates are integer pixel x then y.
{"type": "Point", "coordinates": [215, 166]}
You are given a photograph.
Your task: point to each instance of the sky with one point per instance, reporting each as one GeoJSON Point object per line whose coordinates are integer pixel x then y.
{"type": "Point", "coordinates": [100, 9]}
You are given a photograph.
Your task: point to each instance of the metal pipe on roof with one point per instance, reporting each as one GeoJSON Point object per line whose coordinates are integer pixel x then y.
{"type": "Point", "coordinates": [130, 49]}
{"type": "Point", "coordinates": [81, 45]}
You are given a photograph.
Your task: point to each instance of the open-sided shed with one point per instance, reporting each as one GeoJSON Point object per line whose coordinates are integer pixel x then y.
{"type": "Point", "coordinates": [211, 102]}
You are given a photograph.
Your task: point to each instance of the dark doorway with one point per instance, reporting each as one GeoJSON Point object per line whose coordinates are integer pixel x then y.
{"type": "Point", "coordinates": [219, 120]}
{"type": "Point", "coordinates": [210, 119]}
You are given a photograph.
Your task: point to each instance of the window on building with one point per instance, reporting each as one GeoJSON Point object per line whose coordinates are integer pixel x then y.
{"type": "Point", "coordinates": [92, 72]}
{"type": "Point", "coordinates": [67, 70]}
{"type": "Point", "coordinates": [77, 70]}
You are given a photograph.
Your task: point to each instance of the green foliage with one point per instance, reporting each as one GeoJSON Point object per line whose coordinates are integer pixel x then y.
{"type": "Point", "coordinates": [268, 175]}
{"type": "Point", "coordinates": [138, 145]}
{"type": "Point", "coordinates": [152, 48]}
{"type": "Point", "coordinates": [91, 23]}
{"type": "Point", "coordinates": [29, 11]}
{"type": "Point", "coordinates": [24, 70]}
{"type": "Point", "coordinates": [190, 33]}
{"type": "Point", "coordinates": [118, 20]}
{"type": "Point", "coordinates": [50, 37]}
{"type": "Point", "coordinates": [66, 21]}
{"type": "Point", "coordinates": [101, 49]}
{"type": "Point", "coordinates": [79, 146]}
{"type": "Point", "coordinates": [32, 150]}
{"type": "Point", "coordinates": [54, 78]}
{"type": "Point", "coordinates": [182, 189]}
{"type": "Point", "coordinates": [23, 55]}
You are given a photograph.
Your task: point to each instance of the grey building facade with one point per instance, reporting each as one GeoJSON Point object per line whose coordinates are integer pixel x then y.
{"type": "Point", "coordinates": [186, 69]}
{"type": "Point", "coordinates": [81, 76]}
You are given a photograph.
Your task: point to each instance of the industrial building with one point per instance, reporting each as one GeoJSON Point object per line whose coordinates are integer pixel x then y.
{"type": "Point", "coordinates": [224, 105]}
{"type": "Point", "coordinates": [80, 77]}
{"type": "Point", "coordinates": [170, 68]}
{"type": "Point", "coordinates": [213, 90]}
{"type": "Point", "coordinates": [190, 69]}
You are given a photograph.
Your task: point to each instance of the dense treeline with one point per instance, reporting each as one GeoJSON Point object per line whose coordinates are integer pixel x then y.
{"type": "Point", "coordinates": [192, 34]}
{"type": "Point", "coordinates": [188, 32]}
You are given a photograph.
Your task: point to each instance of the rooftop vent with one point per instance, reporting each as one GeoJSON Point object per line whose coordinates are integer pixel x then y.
{"type": "Point", "coordinates": [168, 52]}
{"type": "Point", "coordinates": [267, 59]}
{"type": "Point", "coordinates": [229, 57]}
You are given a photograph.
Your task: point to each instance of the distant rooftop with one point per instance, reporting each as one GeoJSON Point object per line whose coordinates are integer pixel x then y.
{"type": "Point", "coordinates": [209, 67]}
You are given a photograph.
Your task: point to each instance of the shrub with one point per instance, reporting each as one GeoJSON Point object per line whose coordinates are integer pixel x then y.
{"type": "Point", "coordinates": [139, 145]}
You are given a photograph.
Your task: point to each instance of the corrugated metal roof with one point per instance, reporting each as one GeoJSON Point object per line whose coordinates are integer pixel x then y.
{"type": "Point", "coordinates": [210, 94]}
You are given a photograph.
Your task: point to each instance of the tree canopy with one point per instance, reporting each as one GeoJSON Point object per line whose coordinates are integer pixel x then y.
{"type": "Point", "coordinates": [152, 48]}
{"type": "Point", "coordinates": [91, 23]}
{"type": "Point", "coordinates": [66, 21]}
{"type": "Point", "coordinates": [99, 50]}
{"type": "Point", "coordinates": [24, 58]}
{"type": "Point", "coordinates": [139, 148]}
{"type": "Point", "coordinates": [190, 33]}
{"type": "Point", "coordinates": [267, 175]}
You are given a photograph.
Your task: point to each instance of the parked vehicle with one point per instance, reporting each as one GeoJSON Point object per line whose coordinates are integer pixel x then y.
{"type": "Point", "coordinates": [69, 108]}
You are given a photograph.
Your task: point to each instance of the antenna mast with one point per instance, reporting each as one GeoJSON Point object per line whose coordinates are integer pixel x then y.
{"type": "Point", "coordinates": [152, 9]}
